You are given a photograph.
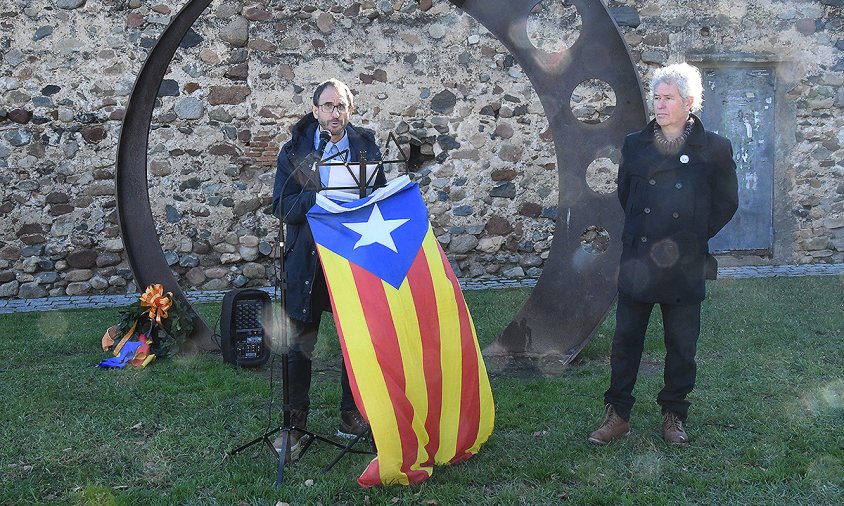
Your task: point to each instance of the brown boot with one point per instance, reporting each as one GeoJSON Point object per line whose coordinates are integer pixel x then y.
{"type": "Point", "coordinates": [296, 440]}
{"type": "Point", "coordinates": [352, 424]}
{"type": "Point", "coordinates": [672, 429]}
{"type": "Point", "coordinates": [612, 428]}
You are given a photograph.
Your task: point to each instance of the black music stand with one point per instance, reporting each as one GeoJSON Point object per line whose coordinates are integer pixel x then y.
{"type": "Point", "coordinates": [363, 185]}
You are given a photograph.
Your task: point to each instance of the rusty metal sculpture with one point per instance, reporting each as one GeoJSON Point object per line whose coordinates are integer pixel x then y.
{"type": "Point", "coordinates": [137, 227]}
{"type": "Point", "coordinates": [577, 288]}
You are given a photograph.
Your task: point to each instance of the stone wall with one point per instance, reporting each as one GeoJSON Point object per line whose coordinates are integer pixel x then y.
{"type": "Point", "coordinates": [420, 68]}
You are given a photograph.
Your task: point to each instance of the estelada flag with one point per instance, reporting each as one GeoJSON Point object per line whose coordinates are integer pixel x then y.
{"type": "Point", "coordinates": [407, 337]}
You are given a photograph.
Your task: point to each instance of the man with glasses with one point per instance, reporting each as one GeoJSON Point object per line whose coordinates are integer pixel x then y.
{"type": "Point", "coordinates": [307, 294]}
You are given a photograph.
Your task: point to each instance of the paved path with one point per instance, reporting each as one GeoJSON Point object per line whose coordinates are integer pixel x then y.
{"type": "Point", "coordinates": [98, 301]}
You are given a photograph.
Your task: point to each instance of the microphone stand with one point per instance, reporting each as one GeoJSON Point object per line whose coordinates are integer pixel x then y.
{"type": "Point", "coordinates": [286, 428]}
{"type": "Point", "coordinates": [312, 180]}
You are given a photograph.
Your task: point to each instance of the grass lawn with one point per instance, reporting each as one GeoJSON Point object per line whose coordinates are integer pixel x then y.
{"type": "Point", "coordinates": [765, 423]}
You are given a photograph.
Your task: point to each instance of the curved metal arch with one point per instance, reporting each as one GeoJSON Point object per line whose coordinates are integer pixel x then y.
{"type": "Point", "coordinates": [133, 210]}
{"type": "Point", "coordinates": [576, 289]}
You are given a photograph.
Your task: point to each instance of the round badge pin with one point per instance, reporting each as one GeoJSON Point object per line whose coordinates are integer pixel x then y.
{"type": "Point", "coordinates": [684, 158]}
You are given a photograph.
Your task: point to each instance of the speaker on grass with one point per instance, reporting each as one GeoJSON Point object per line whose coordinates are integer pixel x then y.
{"type": "Point", "coordinates": [246, 327]}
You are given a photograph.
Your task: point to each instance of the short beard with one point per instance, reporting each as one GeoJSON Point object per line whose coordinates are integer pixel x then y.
{"type": "Point", "coordinates": [323, 124]}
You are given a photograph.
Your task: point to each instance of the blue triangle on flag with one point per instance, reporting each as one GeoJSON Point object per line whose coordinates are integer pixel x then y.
{"type": "Point", "coordinates": [382, 233]}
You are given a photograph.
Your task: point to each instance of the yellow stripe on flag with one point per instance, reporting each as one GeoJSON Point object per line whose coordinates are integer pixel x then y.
{"type": "Point", "coordinates": [367, 370]}
{"type": "Point", "coordinates": [450, 352]}
{"type": "Point", "coordinates": [487, 406]}
{"type": "Point", "coordinates": [403, 311]}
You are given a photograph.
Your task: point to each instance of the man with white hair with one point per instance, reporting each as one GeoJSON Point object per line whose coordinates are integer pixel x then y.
{"type": "Point", "coordinates": [677, 185]}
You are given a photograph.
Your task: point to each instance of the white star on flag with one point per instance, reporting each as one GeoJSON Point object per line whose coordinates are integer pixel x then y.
{"type": "Point", "coordinates": [376, 230]}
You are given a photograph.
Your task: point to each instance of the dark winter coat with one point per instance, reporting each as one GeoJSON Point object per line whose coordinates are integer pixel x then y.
{"type": "Point", "coordinates": [301, 260]}
{"type": "Point", "coordinates": [673, 204]}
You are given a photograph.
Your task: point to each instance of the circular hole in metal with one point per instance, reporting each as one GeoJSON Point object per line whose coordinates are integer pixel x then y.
{"type": "Point", "coordinates": [601, 176]}
{"type": "Point", "coordinates": [595, 240]}
{"type": "Point", "coordinates": [553, 25]}
{"type": "Point", "coordinates": [593, 101]}
{"type": "Point", "coordinates": [602, 173]}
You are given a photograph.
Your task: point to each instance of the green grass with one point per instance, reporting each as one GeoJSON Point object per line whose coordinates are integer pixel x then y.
{"type": "Point", "coordinates": [765, 421]}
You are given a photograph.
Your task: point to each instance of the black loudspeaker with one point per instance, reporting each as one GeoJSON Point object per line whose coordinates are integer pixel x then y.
{"type": "Point", "coordinates": [246, 327]}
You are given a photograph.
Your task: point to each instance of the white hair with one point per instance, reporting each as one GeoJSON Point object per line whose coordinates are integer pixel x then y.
{"type": "Point", "coordinates": [686, 77]}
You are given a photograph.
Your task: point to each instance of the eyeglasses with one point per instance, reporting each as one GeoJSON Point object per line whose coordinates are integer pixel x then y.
{"type": "Point", "coordinates": [329, 108]}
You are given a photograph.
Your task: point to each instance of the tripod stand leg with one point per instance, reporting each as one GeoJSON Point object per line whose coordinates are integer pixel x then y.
{"type": "Point", "coordinates": [282, 456]}
{"type": "Point", "coordinates": [346, 449]}
{"type": "Point", "coordinates": [263, 437]}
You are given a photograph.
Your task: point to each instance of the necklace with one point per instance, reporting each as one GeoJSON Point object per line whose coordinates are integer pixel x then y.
{"type": "Point", "coordinates": [673, 146]}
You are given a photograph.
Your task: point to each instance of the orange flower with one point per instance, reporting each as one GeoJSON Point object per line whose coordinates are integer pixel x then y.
{"type": "Point", "coordinates": [155, 300]}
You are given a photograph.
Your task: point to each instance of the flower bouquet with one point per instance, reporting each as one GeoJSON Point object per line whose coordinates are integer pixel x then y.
{"type": "Point", "coordinates": [155, 326]}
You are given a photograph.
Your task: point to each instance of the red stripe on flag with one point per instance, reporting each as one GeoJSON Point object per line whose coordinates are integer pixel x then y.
{"type": "Point", "coordinates": [376, 310]}
{"type": "Point", "coordinates": [470, 397]}
{"type": "Point", "coordinates": [371, 476]}
{"type": "Point", "coordinates": [414, 477]}
{"type": "Point", "coordinates": [424, 298]}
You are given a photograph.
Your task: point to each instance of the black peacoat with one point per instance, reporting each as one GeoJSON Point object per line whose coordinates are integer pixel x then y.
{"type": "Point", "coordinates": [673, 204]}
{"type": "Point", "coordinates": [293, 198]}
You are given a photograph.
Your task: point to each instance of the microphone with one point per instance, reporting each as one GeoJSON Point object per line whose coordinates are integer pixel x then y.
{"type": "Point", "coordinates": [324, 137]}
{"type": "Point", "coordinates": [305, 171]}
